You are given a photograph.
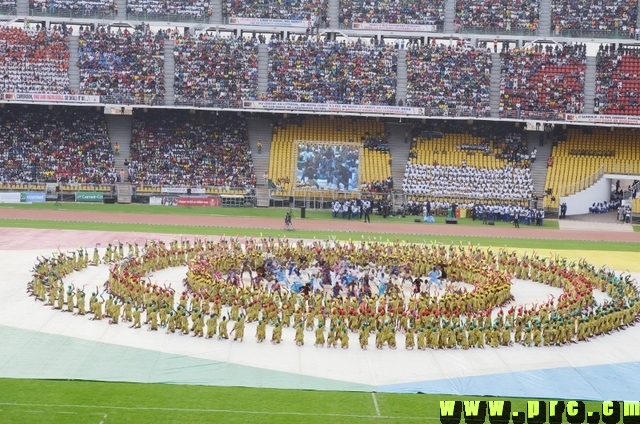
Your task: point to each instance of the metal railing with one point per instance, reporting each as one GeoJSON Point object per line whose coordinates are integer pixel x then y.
{"type": "Point", "coordinates": [134, 99]}
{"type": "Point", "coordinates": [622, 168]}
{"type": "Point", "coordinates": [41, 186]}
{"type": "Point", "coordinates": [587, 182]}
{"type": "Point", "coordinates": [456, 112]}
{"type": "Point", "coordinates": [217, 103]}
{"type": "Point", "coordinates": [593, 33]}
{"type": "Point", "coordinates": [68, 13]}
{"type": "Point", "coordinates": [492, 30]}
{"type": "Point", "coordinates": [537, 115]}
{"type": "Point", "coordinates": [167, 17]}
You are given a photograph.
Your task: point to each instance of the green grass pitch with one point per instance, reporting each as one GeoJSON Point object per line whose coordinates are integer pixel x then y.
{"type": "Point", "coordinates": [40, 401]}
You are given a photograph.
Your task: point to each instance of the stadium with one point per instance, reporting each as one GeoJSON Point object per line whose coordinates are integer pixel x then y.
{"type": "Point", "coordinates": [459, 178]}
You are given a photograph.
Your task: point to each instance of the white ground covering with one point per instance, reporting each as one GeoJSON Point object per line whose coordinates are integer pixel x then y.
{"type": "Point", "coordinates": [370, 367]}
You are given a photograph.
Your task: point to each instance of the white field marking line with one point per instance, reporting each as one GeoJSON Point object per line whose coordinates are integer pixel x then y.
{"type": "Point", "coordinates": [226, 411]}
{"type": "Point", "coordinates": [65, 412]}
{"type": "Point", "coordinates": [375, 403]}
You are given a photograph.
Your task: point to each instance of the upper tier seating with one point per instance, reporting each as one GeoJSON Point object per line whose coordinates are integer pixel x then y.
{"type": "Point", "coordinates": [210, 70]}
{"type": "Point", "coordinates": [449, 81]}
{"type": "Point", "coordinates": [617, 82]}
{"type": "Point", "coordinates": [417, 12]}
{"type": "Point", "coordinates": [125, 67]}
{"type": "Point", "coordinates": [34, 61]}
{"type": "Point", "coordinates": [582, 18]}
{"type": "Point", "coordinates": [318, 71]}
{"type": "Point", "coordinates": [543, 82]}
{"type": "Point", "coordinates": [496, 16]}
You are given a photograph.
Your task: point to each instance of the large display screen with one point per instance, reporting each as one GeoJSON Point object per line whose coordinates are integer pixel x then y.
{"type": "Point", "coordinates": [325, 166]}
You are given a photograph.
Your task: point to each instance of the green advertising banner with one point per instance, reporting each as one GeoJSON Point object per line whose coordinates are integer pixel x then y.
{"type": "Point", "coordinates": [89, 196]}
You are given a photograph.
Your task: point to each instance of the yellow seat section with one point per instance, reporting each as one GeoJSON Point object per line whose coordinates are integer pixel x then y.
{"type": "Point", "coordinates": [288, 134]}
{"type": "Point", "coordinates": [576, 160]}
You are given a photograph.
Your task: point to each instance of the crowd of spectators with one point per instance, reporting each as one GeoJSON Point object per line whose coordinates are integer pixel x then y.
{"type": "Point", "coordinates": [416, 12]}
{"type": "Point", "coordinates": [308, 69]}
{"type": "Point", "coordinates": [575, 18]}
{"type": "Point", "coordinates": [377, 142]}
{"type": "Point", "coordinates": [314, 11]}
{"type": "Point", "coordinates": [7, 6]}
{"type": "Point", "coordinates": [125, 66]}
{"type": "Point", "coordinates": [167, 10]}
{"type": "Point", "coordinates": [543, 81]}
{"type": "Point", "coordinates": [98, 8]}
{"type": "Point", "coordinates": [209, 69]}
{"type": "Point", "coordinates": [178, 148]}
{"type": "Point", "coordinates": [497, 15]}
{"type": "Point", "coordinates": [617, 81]}
{"type": "Point", "coordinates": [62, 144]}
{"type": "Point", "coordinates": [383, 186]}
{"type": "Point", "coordinates": [510, 184]}
{"type": "Point", "coordinates": [449, 80]}
{"type": "Point", "coordinates": [34, 60]}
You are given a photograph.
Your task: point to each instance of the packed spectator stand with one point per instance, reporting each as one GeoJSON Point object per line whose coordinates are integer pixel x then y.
{"type": "Point", "coordinates": [34, 60]}
{"type": "Point", "coordinates": [413, 12]}
{"type": "Point", "coordinates": [449, 80]}
{"type": "Point", "coordinates": [312, 70]}
{"type": "Point", "coordinates": [313, 11]}
{"type": "Point", "coordinates": [168, 10]}
{"type": "Point", "coordinates": [215, 71]}
{"type": "Point", "coordinates": [63, 145]}
{"type": "Point", "coordinates": [126, 67]}
{"type": "Point", "coordinates": [617, 81]}
{"type": "Point", "coordinates": [497, 16]}
{"type": "Point", "coordinates": [542, 81]}
{"type": "Point", "coordinates": [7, 6]}
{"type": "Point", "coordinates": [581, 18]}
{"type": "Point", "coordinates": [482, 162]}
{"type": "Point", "coordinates": [74, 8]}
{"type": "Point", "coordinates": [191, 150]}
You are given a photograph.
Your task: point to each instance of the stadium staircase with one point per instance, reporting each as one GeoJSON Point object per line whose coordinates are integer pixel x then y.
{"type": "Point", "coordinates": [401, 84]}
{"type": "Point", "coordinates": [333, 13]}
{"type": "Point", "coordinates": [119, 128]}
{"type": "Point", "coordinates": [400, 152]}
{"type": "Point", "coordinates": [590, 85]}
{"type": "Point", "coordinates": [216, 15]}
{"type": "Point", "coordinates": [74, 72]}
{"type": "Point", "coordinates": [260, 129]}
{"type": "Point", "coordinates": [22, 7]}
{"type": "Point", "coordinates": [544, 23]}
{"type": "Point", "coordinates": [449, 16]}
{"type": "Point", "coordinates": [122, 10]}
{"type": "Point", "coordinates": [263, 68]}
{"type": "Point", "coordinates": [494, 99]}
{"type": "Point", "coordinates": [539, 167]}
{"type": "Point", "coordinates": [124, 192]}
{"type": "Point", "coordinates": [169, 74]}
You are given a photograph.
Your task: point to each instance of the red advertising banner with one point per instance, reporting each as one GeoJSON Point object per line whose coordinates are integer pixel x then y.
{"type": "Point", "coordinates": [198, 201]}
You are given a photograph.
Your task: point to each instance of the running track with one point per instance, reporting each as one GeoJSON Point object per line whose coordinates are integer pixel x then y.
{"type": "Point", "coordinates": [391, 226]}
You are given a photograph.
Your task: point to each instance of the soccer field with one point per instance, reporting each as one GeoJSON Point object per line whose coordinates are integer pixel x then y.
{"type": "Point", "coordinates": [59, 401]}
{"type": "Point", "coordinates": [37, 401]}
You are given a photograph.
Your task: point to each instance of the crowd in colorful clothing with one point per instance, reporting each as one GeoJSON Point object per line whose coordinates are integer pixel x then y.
{"type": "Point", "coordinates": [126, 67]}
{"type": "Point", "coordinates": [169, 148]}
{"type": "Point", "coordinates": [68, 145]}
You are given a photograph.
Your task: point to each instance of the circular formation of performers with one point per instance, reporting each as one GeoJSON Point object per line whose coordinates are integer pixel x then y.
{"type": "Point", "coordinates": [428, 295]}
